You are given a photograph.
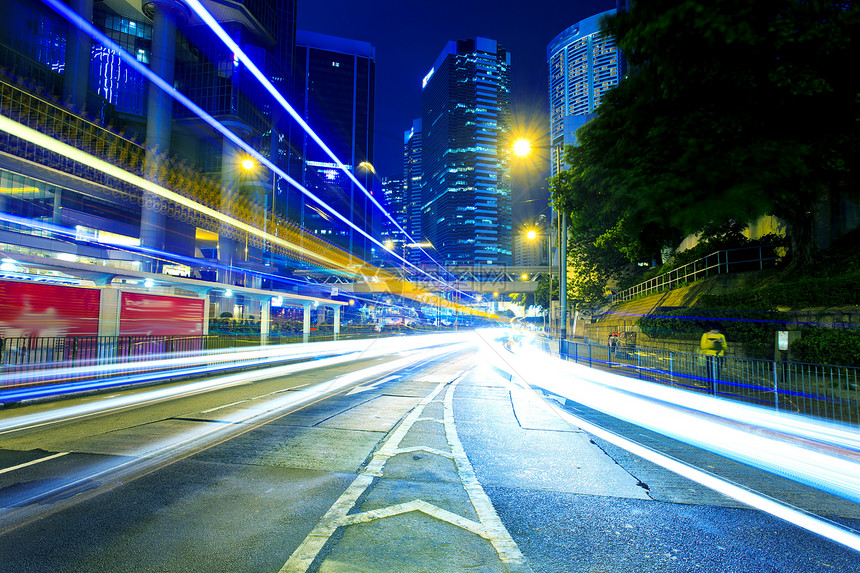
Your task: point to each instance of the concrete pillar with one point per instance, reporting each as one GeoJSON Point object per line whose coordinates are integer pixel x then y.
{"type": "Point", "coordinates": [158, 125]}
{"type": "Point", "coordinates": [306, 322]}
{"type": "Point", "coordinates": [57, 212]}
{"type": "Point", "coordinates": [336, 321]}
{"type": "Point", "coordinates": [76, 70]}
{"type": "Point", "coordinates": [265, 315]}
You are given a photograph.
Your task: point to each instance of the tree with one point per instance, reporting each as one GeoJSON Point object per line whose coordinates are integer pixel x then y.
{"type": "Point", "coordinates": [731, 110]}
{"type": "Point", "coordinates": [542, 293]}
{"type": "Point", "coordinates": [524, 299]}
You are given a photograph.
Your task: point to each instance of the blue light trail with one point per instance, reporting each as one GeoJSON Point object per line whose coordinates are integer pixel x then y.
{"type": "Point", "coordinates": [144, 70]}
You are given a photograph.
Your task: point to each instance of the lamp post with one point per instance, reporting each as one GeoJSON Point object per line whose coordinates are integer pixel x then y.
{"type": "Point", "coordinates": [523, 147]}
{"type": "Point", "coordinates": [531, 234]}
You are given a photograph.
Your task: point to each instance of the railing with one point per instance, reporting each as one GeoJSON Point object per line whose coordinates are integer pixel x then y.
{"type": "Point", "coordinates": [727, 261]}
{"type": "Point", "coordinates": [32, 361]}
{"type": "Point", "coordinates": [819, 390]}
{"type": "Point", "coordinates": [31, 354]}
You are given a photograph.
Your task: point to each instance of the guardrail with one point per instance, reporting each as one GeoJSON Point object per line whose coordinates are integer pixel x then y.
{"type": "Point", "coordinates": [818, 390]}
{"type": "Point", "coordinates": [719, 262]}
{"type": "Point", "coordinates": [33, 354]}
{"type": "Point", "coordinates": [32, 361]}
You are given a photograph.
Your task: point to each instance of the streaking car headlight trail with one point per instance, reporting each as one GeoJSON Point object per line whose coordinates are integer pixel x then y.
{"type": "Point", "coordinates": [234, 422]}
{"type": "Point", "coordinates": [169, 89]}
{"type": "Point", "coordinates": [360, 349]}
{"type": "Point", "coordinates": [817, 454]}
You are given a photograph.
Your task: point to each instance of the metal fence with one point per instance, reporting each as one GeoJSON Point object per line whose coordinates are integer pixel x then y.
{"type": "Point", "coordinates": [819, 390]}
{"type": "Point", "coordinates": [32, 355]}
{"type": "Point", "coordinates": [33, 361]}
{"type": "Point", "coordinates": [727, 261]}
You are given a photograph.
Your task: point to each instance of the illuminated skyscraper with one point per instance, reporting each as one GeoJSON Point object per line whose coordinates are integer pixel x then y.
{"type": "Point", "coordinates": [412, 185]}
{"type": "Point", "coordinates": [394, 202]}
{"type": "Point", "coordinates": [583, 65]}
{"type": "Point", "coordinates": [335, 79]}
{"type": "Point", "coordinates": [466, 192]}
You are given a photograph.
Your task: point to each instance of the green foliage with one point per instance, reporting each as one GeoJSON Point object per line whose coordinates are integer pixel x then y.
{"type": "Point", "coordinates": [674, 150]}
{"type": "Point", "coordinates": [542, 294]}
{"type": "Point", "coordinates": [841, 258]}
{"type": "Point", "coordinates": [592, 264]}
{"type": "Point", "coordinates": [838, 347]}
{"type": "Point", "coordinates": [524, 299]}
{"type": "Point", "coordinates": [807, 292]}
{"type": "Point", "coordinates": [753, 331]}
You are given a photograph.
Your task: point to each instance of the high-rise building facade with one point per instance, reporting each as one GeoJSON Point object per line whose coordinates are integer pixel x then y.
{"type": "Point", "coordinates": [112, 112]}
{"type": "Point", "coordinates": [583, 65]}
{"type": "Point", "coordinates": [335, 87]}
{"type": "Point", "coordinates": [466, 187]}
{"type": "Point", "coordinates": [413, 167]}
{"type": "Point", "coordinates": [394, 201]}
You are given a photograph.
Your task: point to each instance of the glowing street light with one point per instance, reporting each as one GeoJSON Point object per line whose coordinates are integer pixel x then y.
{"type": "Point", "coordinates": [522, 147]}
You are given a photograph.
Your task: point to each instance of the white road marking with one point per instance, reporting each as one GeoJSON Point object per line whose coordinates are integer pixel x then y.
{"type": "Point", "coordinates": [254, 398]}
{"type": "Point", "coordinates": [489, 527]}
{"type": "Point", "coordinates": [225, 406]}
{"type": "Point", "coordinates": [417, 505]}
{"type": "Point", "coordinates": [502, 541]}
{"type": "Point", "coordinates": [372, 385]}
{"type": "Point", "coordinates": [32, 462]}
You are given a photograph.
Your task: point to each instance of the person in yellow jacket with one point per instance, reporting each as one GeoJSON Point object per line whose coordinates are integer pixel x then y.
{"type": "Point", "coordinates": [713, 344]}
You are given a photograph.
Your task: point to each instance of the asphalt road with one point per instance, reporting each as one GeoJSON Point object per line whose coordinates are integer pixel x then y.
{"type": "Point", "coordinates": [437, 466]}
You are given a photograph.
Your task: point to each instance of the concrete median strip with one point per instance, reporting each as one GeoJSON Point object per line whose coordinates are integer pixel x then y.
{"type": "Point", "coordinates": [344, 513]}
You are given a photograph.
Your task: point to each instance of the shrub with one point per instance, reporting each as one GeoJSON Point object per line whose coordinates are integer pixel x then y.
{"type": "Point", "coordinates": [803, 293]}
{"type": "Point", "coordinates": [825, 346]}
{"type": "Point", "coordinates": [752, 331]}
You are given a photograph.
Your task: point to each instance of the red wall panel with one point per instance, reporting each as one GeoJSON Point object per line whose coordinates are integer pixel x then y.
{"type": "Point", "coordinates": [43, 309]}
{"type": "Point", "coordinates": [160, 315]}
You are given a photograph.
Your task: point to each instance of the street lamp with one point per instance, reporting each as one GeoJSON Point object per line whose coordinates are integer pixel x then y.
{"type": "Point", "coordinates": [523, 147]}
{"type": "Point", "coordinates": [532, 234]}
{"type": "Point", "coordinates": [250, 166]}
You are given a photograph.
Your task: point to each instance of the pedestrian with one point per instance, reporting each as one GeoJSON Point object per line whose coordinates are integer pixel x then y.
{"type": "Point", "coordinates": [612, 343]}
{"type": "Point", "coordinates": [713, 345]}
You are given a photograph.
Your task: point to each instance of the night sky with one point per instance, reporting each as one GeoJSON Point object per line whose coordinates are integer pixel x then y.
{"type": "Point", "coordinates": [410, 34]}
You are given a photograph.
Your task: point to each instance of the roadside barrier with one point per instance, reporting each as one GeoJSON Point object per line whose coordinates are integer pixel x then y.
{"type": "Point", "coordinates": [818, 390]}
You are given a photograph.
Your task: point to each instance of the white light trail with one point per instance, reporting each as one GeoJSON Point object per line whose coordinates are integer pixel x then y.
{"type": "Point", "coordinates": [814, 453]}
{"type": "Point", "coordinates": [169, 89]}
{"type": "Point", "coordinates": [213, 24]}
{"type": "Point", "coordinates": [204, 435]}
{"type": "Point", "coordinates": [42, 140]}
{"type": "Point", "coordinates": [361, 349]}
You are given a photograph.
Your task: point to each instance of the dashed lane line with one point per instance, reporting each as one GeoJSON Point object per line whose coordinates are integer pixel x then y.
{"type": "Point", "coordinates": [33, 462]}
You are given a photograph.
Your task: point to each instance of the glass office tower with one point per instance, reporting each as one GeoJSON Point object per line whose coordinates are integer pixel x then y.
{"type": "Point", "coordinates": [51, 73]}
{"type": "Point", "coordinates": [335, 83]}
{"type": "Point", "coordinates": [583, 65]}
{"type": "Point", "coordinates": [395, 203]}
{"type": "Point", "coordinates": [466, 193]}
{"type": "Point", "coordinates": [412, 177]}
